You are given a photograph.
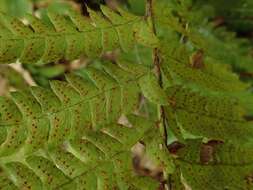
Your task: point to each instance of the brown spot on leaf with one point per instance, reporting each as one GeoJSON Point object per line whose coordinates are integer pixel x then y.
{"type": "Point", "coordinates": [207, 151]}
{"type": "Point", "coordinates": [174, 147]}
{"type": "Point", "coordinates": [197, 59]}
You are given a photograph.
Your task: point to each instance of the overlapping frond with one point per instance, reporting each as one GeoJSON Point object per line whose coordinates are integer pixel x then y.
{"type": "Point", "coordinates": [97, 97]}
{"type": "Point", "coordinates": [68, 136]}
{"type": "Point", "coordinates": [100, 160]}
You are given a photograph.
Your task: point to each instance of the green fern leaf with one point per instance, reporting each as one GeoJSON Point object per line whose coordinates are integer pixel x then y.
{"type": "Point", "coordinates": [156, 150]}
{"type": "Point", "coordinates": [175, 180]}
{"type": "Point", "coordinates": [24, 177]}
{"type": "Point", "coordinates": [207, 116]}
{"type": "Point", "coordinates": [68, 136]}
{"type": "Point", "coordinates": [97, 100]}
{"type": "Point", "coordinates": [38, 41]}
{"type": "Point", "coordinates": [13, 78]}
{"type": "Point", "coordinates": [188, 21]}
{"type": "Point", "coordinates": [152, 90]}
{"type": "Point", "coordinates": [99, 160]}
{"type": "Point", "coordinates": [126, 40]}
{"type": "Point", "coordinates": [5, 182]}
{"type": "Point", "coordinates": [216, 166]}
{"type": "Point", "coordinates": [204, 101]}
{"type": "Point", "coordinates": [213, 76]}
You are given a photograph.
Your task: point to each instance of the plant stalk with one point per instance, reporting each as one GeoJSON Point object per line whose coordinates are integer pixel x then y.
{"type": "Point", "coordinates": [157, 61]}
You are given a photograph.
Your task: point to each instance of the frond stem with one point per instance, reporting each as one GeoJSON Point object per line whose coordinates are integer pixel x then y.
{"type": "Point", "coordinates": [156, 62]}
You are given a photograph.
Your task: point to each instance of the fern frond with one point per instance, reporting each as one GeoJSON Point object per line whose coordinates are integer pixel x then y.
{"type": "Point", "coordinates": [237, 14]}
{"type": "Point", "coordinates": [204, 101]}
{"type": "Point", "coordinates": [152, 90]}
{"type": "Point", "coordinates": [200, 34]}
{"type": "Point", "coordinates": [68, 136]}
{"type": "Point", "coordinates": [99, 99]}
{"type": "Point", "coordinates": [213, 117]}
{"type": "Point", "coordinates": [122, 160]}
{"type": "Point", "coordinates": [100, 160]}
{"type": "Point", "coordinates": [216, 165]}
{"type": "Point", "coordinates": [70, 36]}
{"type": "Point", "coordinates": [212, 75]}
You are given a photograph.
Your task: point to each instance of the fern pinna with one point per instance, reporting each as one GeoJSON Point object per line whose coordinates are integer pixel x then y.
{"type": "Point", "coordinates": [71, 135]}
{"type": "Point", "coordinates": [74, 125]}
{"type": "Point", "coordinates": [40, 42]}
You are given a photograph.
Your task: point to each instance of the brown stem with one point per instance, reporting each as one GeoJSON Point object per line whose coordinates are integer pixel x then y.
{"type": "Point", "coordinates": [157, 65]}
{"type": "Point", "coordinates": [157, 62]}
